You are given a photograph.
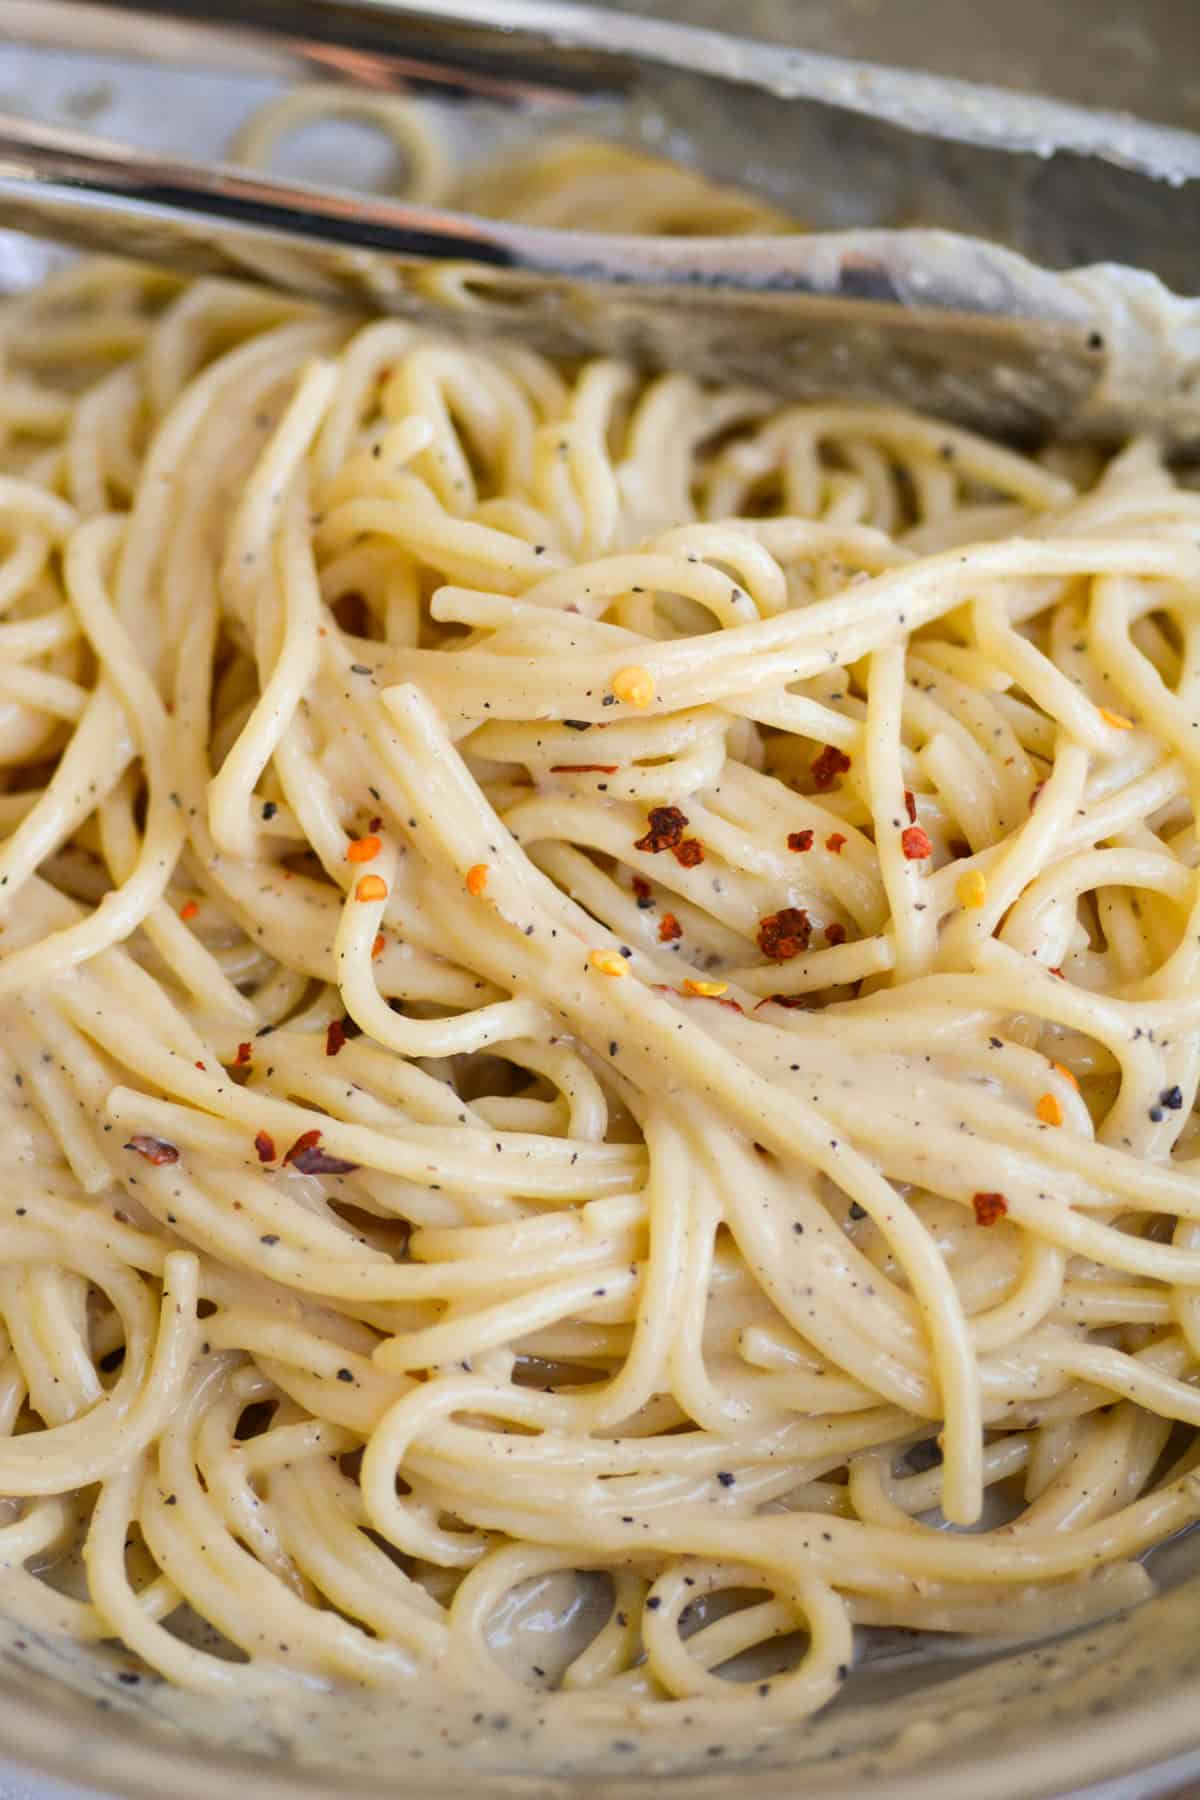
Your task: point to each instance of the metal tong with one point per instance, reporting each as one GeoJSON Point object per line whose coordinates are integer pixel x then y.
{"type": "Point", "coordinates": [947, 221]}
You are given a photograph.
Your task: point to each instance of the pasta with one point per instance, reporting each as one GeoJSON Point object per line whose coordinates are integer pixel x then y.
{"type": "Point", "coordinates": [600, 981]}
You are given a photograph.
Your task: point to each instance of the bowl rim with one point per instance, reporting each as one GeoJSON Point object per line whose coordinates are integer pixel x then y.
{"type": "Point", "coordinates": [1155, 1743]}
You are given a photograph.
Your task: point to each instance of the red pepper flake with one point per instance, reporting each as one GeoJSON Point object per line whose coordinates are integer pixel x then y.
{"type": "Point", "coordinates": [188, 910]}
{"type": "Point", "coordinates": [264, 1143]}
{"type": "Point", "coordinates": [310, 1160]}
{"type": "Point", "coordinates": [364, 849]}
{"type": "Point", "coordinates": [669, 929]}
{"type": "Point", "coordinates": [989, 1208]}
{"type": "Point", "coordinates": [319, 1162]}
{"type": "Point", "coordinates": [829, 764]}
{"type": "Point", "coordinates": [686, 993]}
{"type": "Point", "coordinates": [915, 843]}
{"type": "Point", "coordinates": [785, 934]}
{"type": "Point", "coordinates": [156, 1150]}
{"type": "Point", "coordinates": [642, 892]}
{"type": "Point", "coordinates": [243, 1056]}
{"type": "Point", "coordinates": [795, 1001]}
{"type": "Point", "coordinates": [910, 805]}
{"type": "Point", "coordinates": [835, 933]}
{"type": "Point", "coordinates": [834, 842]}
{"type": "Point", "coordinates": [335, 1037]}
{"type": "Point", "coordinates": [378, 947]}
{"type": "Point", "coordinates": [1049, 1109]}
{"type": "Point", "coordinates": [689, 853]}
{"type": "Point", "coordinates": [667, 826]}
{"type": "Point", "coordinates": [376, 823]}
{"type": "Point", "coordinates": [203, 1066]}
{"type": "Point", "coordinates": [1036, 795]}
{"type": "Point", "coordinates": [584, 768]}
{"type": "Point", "coordinates": [800, 840]}
{"type": "Point", "coordinates": [1059, 973]}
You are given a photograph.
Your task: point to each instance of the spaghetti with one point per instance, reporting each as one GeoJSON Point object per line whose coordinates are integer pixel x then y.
{"type": "Point", "coordinates": [598, 977]}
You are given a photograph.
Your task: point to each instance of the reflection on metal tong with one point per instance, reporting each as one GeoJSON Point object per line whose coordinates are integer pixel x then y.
{"type": "Point", "coordinates": [983, 312]}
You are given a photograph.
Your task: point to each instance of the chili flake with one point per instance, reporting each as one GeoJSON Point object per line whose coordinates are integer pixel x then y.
{"type": "Point", "coordinates": [378, 947]}
{"type": "Point", "coordinates": [667, 826]}
{"type": "Point", "coordinates": [306, 1156]}
{"type": "Point", "coordinates": [243, 1056]}
{"type": "Point", "coordinates": [828, 765]}
{"type": "Point", "coordinates": [915, 843]}
{"type": "Point", "coordinates": [835, 933]}
{"type": "Point", "coordinates": [477, 876]}
{"type": "Point", "coordinates": [642, 892]}
{"type": "Point", "coordinates": [971, 888]}
{"type": "Point", "coordinates": [156, 1150]}
{"type": "Point", "coordinates": [634, 685]}
{"type": "Point", "coordinates": [608, 962]}
{"type": "Point", "coordinates": [669, 929]}
{"type": "Point", "coordinates": [188, 910]}
{"type": "Point", "coordinates": [364, 849]}
{"type": "Point", "coordinates": [264, 1143]}
{"type": "Point", "coordinates": [689, 853]}
{"type": "Point", "coordinates": [796, 1001]}
{"type": "Point", "coordinates": [371, 887]}
{"type": "Point", "coordinates": [584, 768]}
{"type": "Point", "coordinates": [835, 841]}
{"type": "Point", "coordinates": [989, 1208]}
{"type": "Point", "coordinates": [335, 1037]}
{"type": "Point", "coordinates": [785, 934]}
{"type": "Point", "coordinates": [800, 840]}
{"type": "Point", "coordinates": [910, 805]}
{"type": "Point", "coordinates": [1036, 795]}
{"type": "Point", "coordinates": [1049, 1109]}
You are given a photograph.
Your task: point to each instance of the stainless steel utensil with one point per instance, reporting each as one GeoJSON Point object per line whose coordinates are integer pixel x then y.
{"type": "Point", "coordinates": [884, 298]}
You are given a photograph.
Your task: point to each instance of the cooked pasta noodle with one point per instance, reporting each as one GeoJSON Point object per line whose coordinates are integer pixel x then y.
{"type": "Point", "coordinates": [599, 978]}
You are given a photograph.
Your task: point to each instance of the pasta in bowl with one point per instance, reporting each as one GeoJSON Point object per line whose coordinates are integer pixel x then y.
{"type": "Point", "coordinates": [601, 983]}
